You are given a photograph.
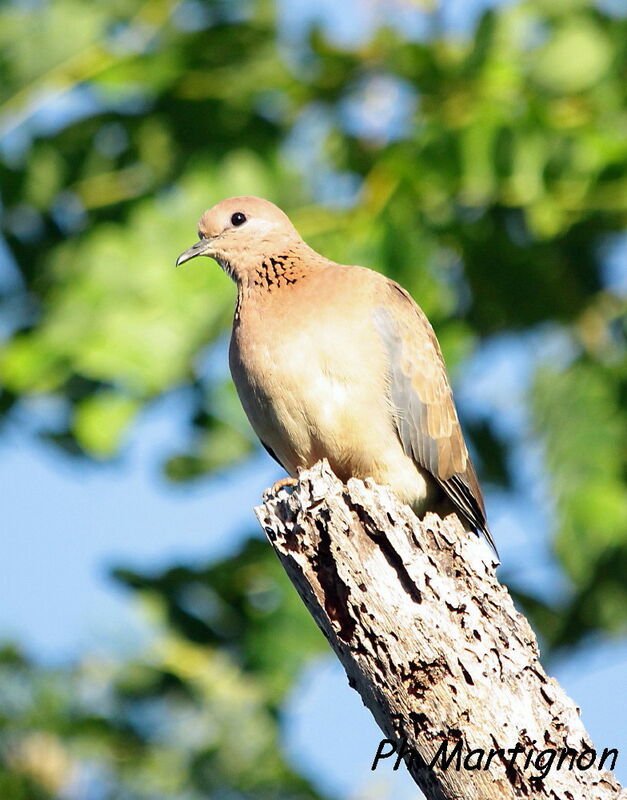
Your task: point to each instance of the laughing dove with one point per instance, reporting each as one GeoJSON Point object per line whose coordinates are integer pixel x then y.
{"type": "Point", "coordinates": [337, 362]}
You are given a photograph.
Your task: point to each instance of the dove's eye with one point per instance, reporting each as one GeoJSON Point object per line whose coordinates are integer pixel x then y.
{"type": "Point", "coordinates": [238, 218]}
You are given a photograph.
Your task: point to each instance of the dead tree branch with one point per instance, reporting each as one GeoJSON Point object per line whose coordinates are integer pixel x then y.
{"type": "Point", "coordinates": [432, 643]}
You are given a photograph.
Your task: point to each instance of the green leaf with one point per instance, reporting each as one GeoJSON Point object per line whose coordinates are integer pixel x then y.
{"type": "Point", "coordinates": [575, 58]}
{"type": "Point", "coordinates": [102, 420]}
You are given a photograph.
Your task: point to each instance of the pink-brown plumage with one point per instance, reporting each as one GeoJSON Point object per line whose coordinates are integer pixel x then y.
{"type": "Point", "coordinates": [337, 362]}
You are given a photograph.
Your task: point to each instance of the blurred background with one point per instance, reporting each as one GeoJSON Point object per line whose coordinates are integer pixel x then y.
{"type": "Point", "coordinates": [476, 152]}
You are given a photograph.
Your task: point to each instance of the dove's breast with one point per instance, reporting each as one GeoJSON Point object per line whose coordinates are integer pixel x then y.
{"type": "Point", "coordinates": [316, 388]}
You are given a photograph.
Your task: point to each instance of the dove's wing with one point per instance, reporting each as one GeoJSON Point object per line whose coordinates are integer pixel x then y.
{"type": "Point", "coordinates": [422, 401]}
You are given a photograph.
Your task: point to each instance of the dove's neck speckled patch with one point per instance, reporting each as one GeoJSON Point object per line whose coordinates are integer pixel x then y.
{"type": "Point", "coordinates": [271, 274]}
{"type": "Point", "coordinates": [275, 272]}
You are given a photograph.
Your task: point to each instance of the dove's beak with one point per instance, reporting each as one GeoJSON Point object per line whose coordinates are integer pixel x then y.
{"type": "Point", "coordinates": [201, 248]}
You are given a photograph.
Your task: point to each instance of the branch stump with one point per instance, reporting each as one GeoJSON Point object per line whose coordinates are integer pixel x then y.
{"type": "Point", "coordinates": [432, 642]}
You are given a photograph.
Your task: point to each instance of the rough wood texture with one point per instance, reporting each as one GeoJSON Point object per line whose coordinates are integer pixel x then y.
{"type": "Point", "coordinates": [429, 638]}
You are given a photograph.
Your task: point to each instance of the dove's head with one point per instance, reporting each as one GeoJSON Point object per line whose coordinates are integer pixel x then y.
{"type": "Point", "coordinates": [239, 233]}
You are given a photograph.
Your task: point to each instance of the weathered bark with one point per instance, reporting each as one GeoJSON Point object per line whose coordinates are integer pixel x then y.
{"type": "Point", "coordinates": [430, 639]}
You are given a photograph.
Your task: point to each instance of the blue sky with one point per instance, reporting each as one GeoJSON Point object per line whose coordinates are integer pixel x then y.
{"type": "Point", "coordinates": [85, 518]}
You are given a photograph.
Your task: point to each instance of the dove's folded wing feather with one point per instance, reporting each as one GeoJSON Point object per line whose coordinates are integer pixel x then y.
{"type": "Point", "coordinates": [422, 401]}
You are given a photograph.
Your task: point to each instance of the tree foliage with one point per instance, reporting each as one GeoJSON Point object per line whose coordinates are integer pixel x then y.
{"type": "Point", "coordinates": [487, 172]}
{"type": "Point", "coordinates": [192, 714]}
